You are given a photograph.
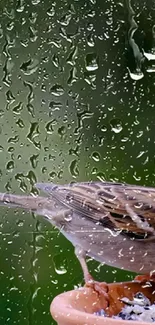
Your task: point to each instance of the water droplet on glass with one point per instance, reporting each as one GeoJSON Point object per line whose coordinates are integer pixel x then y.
{"type": "Point", "coordinates": [20, 123]}
{"type": "Point", "coordinates": [7, 185]}
{"type": "Point", "coordinates": [11, 149]}
{"type": "Point", "coordinates": [56, 61]}
{"type": "Point", "coordinates": [10, 25]}
{"type": "Point", "coordinates": [10, 97]}
{"type": "Point", "coordinates": [60, 268]}
{"type": "Point", "coordinates": [72, 77]}
{"type": "Point", "coordinates": [33, 17]}
{"type": "Point", "coordinates": [137, 75]}
{"type": "Point", "coordinates": [49, 127]}
{"type": "Point", "coordinates": [35, 2]}
{"type": "Point", "coordinates": [91, 13]}
{"type": "Point", "coordinates": [96, 156]}
{"type": "Point", "coordinates": [93, 2]}
{"type": "Point", "coordinates": [30, 66]}
{"type": "Point", "coordinates": [55, 106]}
{"type": "Point", "coordinates": [20, 178]}
{"type": "Point", "coordinates": [34, 160]}
{"type": "Point", "coordinates": [73, 168]}
{"type": "Point", "coordinates": [1, 31]}
{"type": "Point", "coordinates": [31, 177]}
{"type": "Point", "coordinates": [33, 38]}
{"type": "Point", "coordinates": [10, 166]}
{"type": "Point", "coordinates": [91, 62]}
{"type": "Point", "coordinates": [90, 79]}
{"type": "Point", "coordinates": [90, 40]}
{"type": "Point", "coordinates": [52, 174]}
{"type": "Point", "coordinates": [18, 108]}
{"type": "Point", "coordinates": [103, 128]}
{"type": "Point", "coordinates": [20, 6]}
{"type": "Point", "coordinates": [90, 27]}
{"type": "Point", "coordinates": [136, 176]}
{"type": "Point", "coordinates": [20, 223]}
{"type": "Point", "coordinates": [71, 59]}
{"type": "Point", "coordinates": [35, 293]}
{"type": "Point", "coordinates": [1, 112]}
{"type": "Point", "coordinates": [60, 174]}
{"type": "Point", "coordinates": [14, 139]}
{"type": "Point", "coordinates": [65, 19]}
{"type": "Point", "coordinates": [116, 125]}
{"type": "Point", "coordinates": [51, 10]}
{"type": "Point", "coordinates": [33, 133]}
{"type": "Point", "coordinates": [101, 176]}
{"type": "Point", "coordinates": [62, 131]}
{"type": "Point", "coordinates": [57, 90]}
{"type": "Point", "coordinates": [24, 42]}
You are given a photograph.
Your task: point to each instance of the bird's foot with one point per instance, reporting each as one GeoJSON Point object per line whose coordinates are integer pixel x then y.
{"type": "Point", "coordinates": [100, 287]}
{"type": "Point", "coordinates": [145, 277]}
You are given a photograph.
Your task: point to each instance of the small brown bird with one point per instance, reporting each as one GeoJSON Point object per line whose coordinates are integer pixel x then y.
{"type": "Point", "coordinates": [113, 223]}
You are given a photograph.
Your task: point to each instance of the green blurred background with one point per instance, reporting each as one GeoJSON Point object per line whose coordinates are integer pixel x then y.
{"type": "Point", "coordinates": [69, 111]}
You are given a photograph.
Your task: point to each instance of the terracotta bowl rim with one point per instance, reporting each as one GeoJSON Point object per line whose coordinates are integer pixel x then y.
{"type": "Point", "coordinates": [63, 300]}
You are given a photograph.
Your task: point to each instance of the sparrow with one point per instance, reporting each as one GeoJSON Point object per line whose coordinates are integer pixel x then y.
{"type": "Point", "coordinates": [113, 223]}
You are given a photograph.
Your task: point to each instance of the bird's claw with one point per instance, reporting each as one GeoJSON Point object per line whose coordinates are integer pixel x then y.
{"type": "Point", "coordinates": [100, 287]}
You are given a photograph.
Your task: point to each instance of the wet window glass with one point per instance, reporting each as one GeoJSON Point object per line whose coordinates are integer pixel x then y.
{"type": "Point", "coordinates": [76, 104]}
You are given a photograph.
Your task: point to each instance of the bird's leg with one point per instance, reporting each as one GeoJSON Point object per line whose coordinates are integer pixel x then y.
{"type": "Point", "coordinates": [99, 287]}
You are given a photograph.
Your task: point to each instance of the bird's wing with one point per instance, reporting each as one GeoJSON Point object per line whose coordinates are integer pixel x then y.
{"type": "Point", "coordinates": [128, 208]}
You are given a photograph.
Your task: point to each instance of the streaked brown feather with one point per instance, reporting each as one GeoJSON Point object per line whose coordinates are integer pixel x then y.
{"type": "Point", "coordinates": [110, 200]}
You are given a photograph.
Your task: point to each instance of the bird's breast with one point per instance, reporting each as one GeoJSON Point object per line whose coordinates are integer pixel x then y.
{"type": "Point", "coordinates": [113, 248]}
